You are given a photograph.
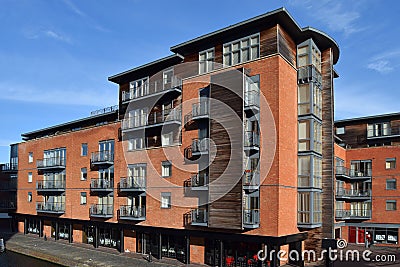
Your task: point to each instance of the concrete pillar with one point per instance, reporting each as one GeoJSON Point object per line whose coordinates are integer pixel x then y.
{"type": "Point", "coordinates": [121, 242]}
{"type": "Point", "coordinates": [40, 228]}
{"type": "Point", "coordinates": [71, 231]}
{"type": "Point", "coordinates": [57, 233]}
{"type": "Point", "coordinates": [96, 237]}
{"type": "Point", "coordinates": [187, 253]}
{"type": "Point", "coordinates": [25, 226]}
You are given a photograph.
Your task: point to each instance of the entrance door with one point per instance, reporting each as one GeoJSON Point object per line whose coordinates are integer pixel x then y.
{"type": "Point", "coordinates": [352, 234]}
{"type": "Point", "coordinates": [360, 235]}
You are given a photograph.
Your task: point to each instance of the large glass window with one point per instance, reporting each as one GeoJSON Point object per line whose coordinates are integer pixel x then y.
{"type": "Point", "coordinates": [304, 98]}
{"type": "Point", "coordinates": [379, 129]}
{"type": "Point", "coordinates": [361, 168]}
{"type": "Point", "coordinates": [206, 61]}
{"type": "Point", "coordinates": [139, 88]}
{"type": "Point", "coordinates": [242, 50]}
{"type": "Point", "coordinates": [304, 207]}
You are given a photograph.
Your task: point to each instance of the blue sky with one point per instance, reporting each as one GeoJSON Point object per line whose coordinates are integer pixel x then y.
{"type": "Point", "coordinates": [56, 55]}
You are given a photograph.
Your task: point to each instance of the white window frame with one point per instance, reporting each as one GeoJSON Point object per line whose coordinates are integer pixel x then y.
{"type": "Point", "coordinates": [389, 162]}
{"type": "Point", "coordinates": [166, 200]}
{"type": "Point", "coordinates": [391, 202]}
{"type": "Point", "coordinates": [83, 198]}
{"type": "Point", "coordinates": [29, 177]}
{"type": "Point", "coordinates": [30, 196]}
{"type": "Point", "coordinates": [30, 157]}
{"type": "Point", "coordinates": [391, 181]}
{"type": "Point", "coordinates": [166, 169]}
{"type": "Point", "coordinates": [83, 150]}
{"type": "Point", "coordinates": [340, 130]}
{"type": "Point", "coordinates": [82, 172]}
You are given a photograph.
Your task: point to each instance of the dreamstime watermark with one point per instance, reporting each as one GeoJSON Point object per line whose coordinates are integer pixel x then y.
{"type": "Point", "coordinates": [340, 254]}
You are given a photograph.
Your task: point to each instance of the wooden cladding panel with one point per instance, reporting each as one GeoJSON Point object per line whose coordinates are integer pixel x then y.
{"type": "Point", "coordinates": [268, 42]}
{"type": "Point", "coordinates": [286, 46]}
{"type": "Point", "coordinates": [226, 131]}
{"type": "Point", "coordinates": [327, 145]}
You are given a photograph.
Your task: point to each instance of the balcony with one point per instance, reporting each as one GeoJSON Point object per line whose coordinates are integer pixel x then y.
{"type": "Point", "coordinates": [199, 146]}
{"type": "Point", "coordinates": [8, 204]}
{"type": "Point", "coordinates": [101, 185]}
{"type": "Point", "coordinates": [50, 207]}
{"type": "Point", "coordinates": [153, 119]}
{"type": "Point", "coordinates": [387, 132]}
{"type": "Point", "coordinates": [101, 210]}
{"type": "Point", "coordinates": [50, 186]}
{"type": "Point", "coordinates": [251, 180]}
{"type": "Point", "coordinates": [251, 141]}
{"type": "Point", "coordinates": [252, 101]}
{"type": "Point", "coordinates": [251, 218]}
{"type": "Point", "coordinates": [9, 167]}
{"type": "Point", "coordinates": [102, 158]}
{"type": "Point", "coordinates": [357, 214]}
{"type": "Point", "coordinates": [199, 111]}
{"type": "Point", "coordinates": [199, 217]}
{"type": "Point", "coordinates": [10, 185]}
{"type": "Point", "coordinates": [345, 173]}
{"type": "Point", "coordinates": [354, 195]}
{"type": "Point", "coordinates": [132, 184]}
{"type": "Point", "coordinates": [134, 213]}
{"type": "Point", "coordinates": [153, 89]}
{"type": "Point", "coordinates": [51, 163]}
{"type": "Point", "coordinates": [199, 181]}
{"type": "Point", "coordinates": [308, 74]}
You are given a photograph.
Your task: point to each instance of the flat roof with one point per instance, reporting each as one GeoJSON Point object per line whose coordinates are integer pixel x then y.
{"type": "Point", "coordinates": [372, 117]}
{"type": "Point", "coordinates": [279, 16]}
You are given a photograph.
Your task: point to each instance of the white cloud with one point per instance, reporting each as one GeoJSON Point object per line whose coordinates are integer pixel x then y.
{"type": "Point", "coordinates": [385, 62]}
{"type": "Point", "coordinates": [57, 36]}
{"type": "Point", "coordinates": [88, 97]}
{"type": "Point", "coordinates": [381, 66]}
{"type": "Point", "coordinates": [338, 17]}
{"type": "Point", "coordinates": [74, 8]}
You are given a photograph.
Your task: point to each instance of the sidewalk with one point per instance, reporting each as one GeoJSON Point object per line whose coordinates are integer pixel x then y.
{"type": "Point", "coordinates": [78, 254]}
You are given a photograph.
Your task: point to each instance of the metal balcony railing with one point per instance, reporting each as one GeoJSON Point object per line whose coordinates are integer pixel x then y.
{"type": "Point", "coordinates": [50, 185]}
{"type": "Point", "coordinates": [353, 214]}
{"type": "Point", "coordinates": [98, 184]}
{"type": "Point", "coordinates": [352, 193]}
{"type": "Point", "coordinates": [153, 118]}
{"type": "Point", "coordinates": [136, 183]}
{"type": "Point", "coordinates": [132, 212]}
{"type": "Point", "coordinates": [55, 162]}
{"type": "Point", "coordinates": [199, 180]}
{"type": "Point", "coordinates": [9, 167]}
{"type": "Point", "coordinates": [51, 207]}
{"type": "Point", "coordinates": [101, 210]}
{"type": "Point", "coordinates": [352, 173]}
{"type": "Point", "coordinates": [251, 217]}
{"type": "Point", "coordinates": [251, 178]}
{"type": "Point", "coordinates": [100, 157]}
{"type": "Point", "coordinates": [199, 217]}
{"type": "Point", "coordinates": [251, 139]}
{"type": "Point", "coordinates": [200, 146]}
{"type": "Point", "coordinates": [8, 204]}
{"type": "Point", "coordinates": [309, 73]}
{"type": "Point", "coordinates": [252, 98]}
{"type": "Point", "coordinates": [152, 88]}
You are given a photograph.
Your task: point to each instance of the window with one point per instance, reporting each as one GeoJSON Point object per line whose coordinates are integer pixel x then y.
{"type": "Point", "coordinates": [29, 177]}
{"type": "Point", "coordinates": [391, 205]}
{"type": "Point", "coordinates": [391, 184]}
{"type": "Point", "coordinates": [30, 157]}
{"type": "Point", "coordinates": [138, 88]}
{"type": "Point", "coordinates": [304, 207]}
{"type": "Point", "coordinates": [83, 174]}
{"type": "Point", "coordinates": [29, 196]}
{"type": "Point", "coordinates": [136, 144]}
{"type": "Point", "coordinates": [84, 150]}
{"type": "Point", "coordinates": [83, 198]}
{"type": "Point", "coordinates": [166, 168]}
{"type": "Point", "coordinates": [340, 130]}
{"type": "Point", "coordinates": [168, 78]}
{"type": "Point", "coordinates": [165, 200]}
{"type": "Point", "coordinates": [242, 50]}
{"type": "Point", "coordinates": [167, 139]}
{"type": "Point", "coordinates": [391, 163]}
{"type": "Point", "coordinates": [206, 61]}
{"type": "Point", "coordinates": [379, 129]}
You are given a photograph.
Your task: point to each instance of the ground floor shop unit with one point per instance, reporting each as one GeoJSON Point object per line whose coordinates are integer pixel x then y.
{"type": "Point", "coordinates": [383, 234]}
{"type": "Point", "coordinates": [214, 248]}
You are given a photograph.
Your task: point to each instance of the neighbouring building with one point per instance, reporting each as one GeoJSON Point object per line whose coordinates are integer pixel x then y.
{"type": "Point", "coordinates": [367, 175]}
{"type": "Point", "coordinates": [221, 148]}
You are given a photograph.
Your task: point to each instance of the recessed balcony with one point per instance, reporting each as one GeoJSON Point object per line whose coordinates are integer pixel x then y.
{"type": "Point", "coordinates": [10, 185]}
{"type": "Point", "coordinates": [50, 186]}
{"type": "Point", "coordinates": [353, 195]}
{"type": "Point", "coordinates": [9, 168]}
{"type": "Point", "coordinates": [150, 89]}
{"type": "Point", "coordinates": [251, 218]}
{"type": "Point", "coordinates": [153, 119]}
{"type": "Point", "coordinates": [251, 141]}
{"type": "Point", "coordinates": [200, 110]}
{"type": "Point", "coordinates": [50, 207]}
{"type": "Point", "coordinates": [200, 146]}
{"type": "Point", "coordinates": [101, 210]}
{"type": "Point", "coordinates": [134, 213]}
{"type": "Point", "coordinates": [199, 217]}
{"type": "Point", "coordinates": [385, 132]}
{"type": "Point", "coordinates": [51, 163]}
{"type": "Point", "coordinates": [101, 185]}
{"type": "Point", "coordinates": [132, 184]}
{"type": "Point", "coordinates": [356, 214]}
{"type": "Point", "coordinates": [102, 158]}
{"type": "Point", "coordinates": [252, 101]}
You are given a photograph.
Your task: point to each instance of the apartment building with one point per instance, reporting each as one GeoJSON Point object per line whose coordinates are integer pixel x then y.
{"type": "Point", "coordinates": [367, 194]}
{"type": "Point", "coordinates": [213, 152]}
